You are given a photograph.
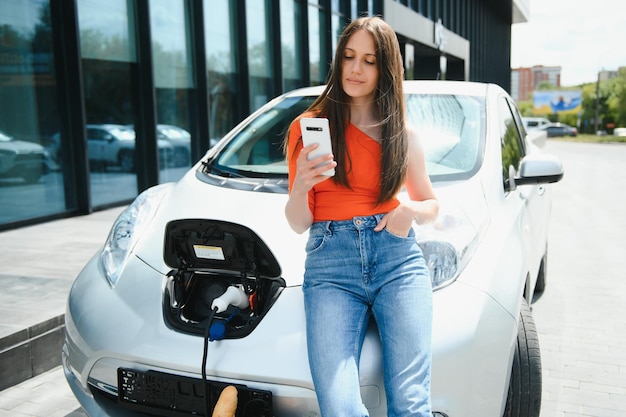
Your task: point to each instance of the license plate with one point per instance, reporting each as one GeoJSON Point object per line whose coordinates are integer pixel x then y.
{"type": "Point", "coordinates": [159, 393]}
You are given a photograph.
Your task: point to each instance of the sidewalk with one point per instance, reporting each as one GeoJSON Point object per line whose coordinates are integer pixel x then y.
{"type": "Point", "coordinates": [39, 264]}
{"type": "Point", "coordinates": [47, 395]}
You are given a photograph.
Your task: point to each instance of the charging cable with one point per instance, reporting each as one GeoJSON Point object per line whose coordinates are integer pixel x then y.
{"type": "Point", "coordinates": [205, 352]}
{"type": "Point", "coordinates": [235, 296]}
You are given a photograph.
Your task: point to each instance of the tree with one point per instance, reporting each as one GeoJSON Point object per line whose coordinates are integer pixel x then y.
{"type": "Point", "coordinates": [617, 101]}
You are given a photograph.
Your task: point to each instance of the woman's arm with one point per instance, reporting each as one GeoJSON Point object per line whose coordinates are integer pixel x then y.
{"type": "Point", "coordinates": [423, 206]}
{"type": "Point", "coordinates": [418, 185]}
{"type": "Point", "coordinates": [297, 208]}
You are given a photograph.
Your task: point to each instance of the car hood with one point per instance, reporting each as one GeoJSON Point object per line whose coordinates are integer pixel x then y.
{"type": "Point", "coordinates": [263, 213]}
{"type": "Point", "coordinates": [21, 147]}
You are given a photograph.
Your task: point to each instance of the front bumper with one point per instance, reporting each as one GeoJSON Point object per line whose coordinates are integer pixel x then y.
{"type": "Point", "coordinates": [108, 328]}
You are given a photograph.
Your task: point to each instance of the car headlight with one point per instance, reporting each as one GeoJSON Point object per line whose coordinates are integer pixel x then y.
{"type": "Point", "coordinates": [126, 231]}
{"type": "Point", "coordinates": [447, 245]}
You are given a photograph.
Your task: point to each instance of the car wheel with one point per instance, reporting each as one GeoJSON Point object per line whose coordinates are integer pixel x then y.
{"type": "Point", "coordinates": [524, 398]}
{"type": "Point", "coordinates": [126, 160]}
{"type": "Point", "coordinates": [97, 166]}
{"type": "Point", "coordinates": [32, 175]}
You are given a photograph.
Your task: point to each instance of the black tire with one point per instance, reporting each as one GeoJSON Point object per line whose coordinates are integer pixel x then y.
{"type": "Point", "coordinates": [97, 165]}
{"type": "Point", "coordinates": [32, 174]}
{"type": "Point", "coordinates": [524, 398]}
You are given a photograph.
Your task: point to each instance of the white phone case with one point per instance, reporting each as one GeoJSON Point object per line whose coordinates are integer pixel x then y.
{"type": "Point", "coordinates": [316, 130]}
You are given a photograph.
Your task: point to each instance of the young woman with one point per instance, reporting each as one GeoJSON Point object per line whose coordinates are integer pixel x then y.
{"type": "Point", "coordinates": [362, 257]}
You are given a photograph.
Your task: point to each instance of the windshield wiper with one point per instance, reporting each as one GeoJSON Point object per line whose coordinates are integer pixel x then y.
{"type": "Point", "coordinates": [210, 168]}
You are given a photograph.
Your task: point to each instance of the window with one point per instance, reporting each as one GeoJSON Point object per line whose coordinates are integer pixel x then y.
{"type": "Point", "coordinates": [221, 70]}
{"type": "Point", "coordinates": [108, 52]}
{"type": "Point", "coordinates": [291, 41]}
{"type": "Point", "coordinates": [513, 148]}
{"type": "Point", "coordinates": [173, 79]}
{"type": "Point", "coordinates": [319, 62]}
{"type": "Point", "coordinates": [259, 54]}
{"type": "Point", "coordinates": [33, 166]}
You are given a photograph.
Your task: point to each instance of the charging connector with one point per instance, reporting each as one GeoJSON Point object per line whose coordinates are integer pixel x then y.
{"type": "Point", "coordinates": [235, 295]}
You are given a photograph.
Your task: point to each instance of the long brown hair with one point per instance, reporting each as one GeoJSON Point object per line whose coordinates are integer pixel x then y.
{"type": "Point", "coordinates": [389, 98]}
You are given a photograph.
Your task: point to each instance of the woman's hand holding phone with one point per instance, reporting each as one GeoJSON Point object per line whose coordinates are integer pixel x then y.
{"type": "Point", "coordinates": [313, 170]}
{"type": "Point", "coordinates": [315, 130]}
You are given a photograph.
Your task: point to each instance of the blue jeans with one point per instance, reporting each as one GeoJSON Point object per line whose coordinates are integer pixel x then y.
{"type": "Point", "coordinates": [351, 273]}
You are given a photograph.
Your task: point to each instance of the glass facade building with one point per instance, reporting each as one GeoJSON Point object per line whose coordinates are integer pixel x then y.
{"type": "Point", "coordinates": [101, 99]}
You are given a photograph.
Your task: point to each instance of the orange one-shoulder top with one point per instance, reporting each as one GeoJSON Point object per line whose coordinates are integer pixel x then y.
{"type": "Point", "coordinates": [330, 201]}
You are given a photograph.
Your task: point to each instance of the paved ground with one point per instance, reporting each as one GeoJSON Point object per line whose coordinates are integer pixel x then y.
{"type": "Point", "coordinates": [39, 264]}
{"type": "Point", "coordinates": [581, 318]}
{"type": "Point", "coordinates": [46, 395]}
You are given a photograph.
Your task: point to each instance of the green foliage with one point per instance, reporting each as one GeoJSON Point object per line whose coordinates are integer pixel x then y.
{"type": "Point", "coordinates": [546, 85]}
{"type": "Point", "coordinates": [525, 108]}
{"type": "Point", "coordinates": [617, 102]}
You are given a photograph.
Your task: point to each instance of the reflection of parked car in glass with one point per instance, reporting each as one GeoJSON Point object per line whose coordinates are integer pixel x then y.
{"type": "Point", "coordinates": [180, 140]}
{"type": "Point", "coordinates": [22, 159]}
{"type": "Point", "coordinates": [114, 145]}
{"type": "Point", "coordinates": [559, 129]}
{"type": "Point", "coordinates": [532, 123]}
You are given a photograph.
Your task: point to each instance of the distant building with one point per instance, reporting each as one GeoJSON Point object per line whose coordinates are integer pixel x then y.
{"type": "Point", "coordinates": [607, 75]}
{"type": "Point", "coordinates": [525, 80]}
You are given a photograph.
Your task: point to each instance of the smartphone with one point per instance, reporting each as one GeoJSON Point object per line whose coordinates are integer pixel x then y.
{"type": "Point", "coordinates": [316, 130]}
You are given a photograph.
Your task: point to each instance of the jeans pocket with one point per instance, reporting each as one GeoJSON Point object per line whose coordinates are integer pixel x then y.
{"type": "Point", "coordinates": [315, 242]}
{"type": "Point", "coordinates": [410, 234]}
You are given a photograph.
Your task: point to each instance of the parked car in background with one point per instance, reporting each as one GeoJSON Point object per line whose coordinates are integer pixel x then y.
{"type": "Point", "coordinates": [559, 130]}
{"type": "Point", "coordinates": [21, 159]}
{"type": "Point", "coordinates": [619, 131]}
{"type": "Point", "coordinates": [114, 145]}
{"type": "Point", "coordinates": [142, 334]}
{"type": "Point", "coordinates": [532, 123]}
{"type": "Point", "coordinates": [180, 140]}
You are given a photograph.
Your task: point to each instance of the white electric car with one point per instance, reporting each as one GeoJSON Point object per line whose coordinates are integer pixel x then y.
{"type": "Point", "coordinates": [143, 337]}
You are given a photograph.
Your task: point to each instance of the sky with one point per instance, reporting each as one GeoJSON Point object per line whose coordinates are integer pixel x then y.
{"type": "Point", "coordinates": [583, 37]}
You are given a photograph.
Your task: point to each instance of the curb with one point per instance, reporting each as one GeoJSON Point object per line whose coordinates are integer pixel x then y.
{"type": "Point", "coordinates": [31, 352]}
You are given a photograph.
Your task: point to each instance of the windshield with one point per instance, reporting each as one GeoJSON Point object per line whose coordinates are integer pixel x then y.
{"type": "Point", "coordinates": [257, 150]}
{"type": "Point", "coordinates": [451, 129]}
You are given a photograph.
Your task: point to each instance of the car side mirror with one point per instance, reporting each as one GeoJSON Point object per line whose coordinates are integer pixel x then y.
{"type": "Point", "coordinates": [539, 169]}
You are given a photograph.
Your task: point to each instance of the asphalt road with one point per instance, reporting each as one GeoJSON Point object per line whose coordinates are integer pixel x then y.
{"type": "Point", "coordinates": [581, 318]}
